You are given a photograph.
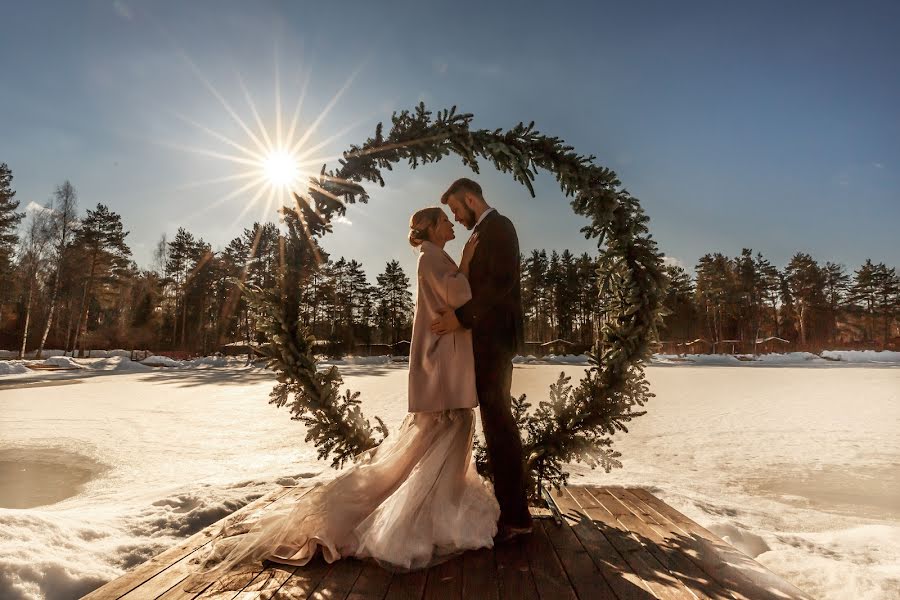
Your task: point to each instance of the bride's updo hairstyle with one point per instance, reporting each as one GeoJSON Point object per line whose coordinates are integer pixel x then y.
{"type": "Point", "coordinates": [421, 221]}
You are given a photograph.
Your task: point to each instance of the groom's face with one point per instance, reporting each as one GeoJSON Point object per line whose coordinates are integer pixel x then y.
{"type": "Point", "coordinates": [461, 211]}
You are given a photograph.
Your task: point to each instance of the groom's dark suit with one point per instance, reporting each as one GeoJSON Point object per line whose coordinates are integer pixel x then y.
{"type": "Point", "coordinates": [494, 314]}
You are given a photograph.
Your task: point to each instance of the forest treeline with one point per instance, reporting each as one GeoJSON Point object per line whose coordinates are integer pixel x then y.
{"type": "Point", "coordinates": [69, 281]}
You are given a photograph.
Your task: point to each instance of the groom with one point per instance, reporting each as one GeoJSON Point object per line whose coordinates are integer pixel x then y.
{"type": "Point", "coordinates": [494, 314]}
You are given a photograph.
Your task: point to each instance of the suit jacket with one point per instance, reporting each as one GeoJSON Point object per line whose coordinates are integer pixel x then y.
{"type": "Point", "coordinates": [494, 314]}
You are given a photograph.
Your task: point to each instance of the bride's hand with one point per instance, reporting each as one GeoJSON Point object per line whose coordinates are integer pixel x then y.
{"type": "Point", "coordinates": [468, 253]}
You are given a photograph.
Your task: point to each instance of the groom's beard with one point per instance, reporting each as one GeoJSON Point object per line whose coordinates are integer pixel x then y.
{"type": "Point", "coordinates": [468, 217]}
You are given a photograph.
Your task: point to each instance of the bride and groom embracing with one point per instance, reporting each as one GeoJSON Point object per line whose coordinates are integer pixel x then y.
{"type": "Point", "coordinates": [417, 499]}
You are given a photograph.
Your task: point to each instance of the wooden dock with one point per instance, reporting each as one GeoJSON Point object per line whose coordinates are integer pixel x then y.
{"type": "Point", "coordinates": [613, 543]}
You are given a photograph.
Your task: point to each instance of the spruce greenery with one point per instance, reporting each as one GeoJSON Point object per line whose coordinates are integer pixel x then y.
{"type": "Point", "coordinates": [576, 422]}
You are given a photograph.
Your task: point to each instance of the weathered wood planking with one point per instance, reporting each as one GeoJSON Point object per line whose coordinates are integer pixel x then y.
{"type": "Point", "coordinates": [614, 543]}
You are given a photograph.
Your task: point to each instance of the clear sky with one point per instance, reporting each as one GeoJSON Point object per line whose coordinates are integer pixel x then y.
{"type": "Point", "coordinates": [771, 125]}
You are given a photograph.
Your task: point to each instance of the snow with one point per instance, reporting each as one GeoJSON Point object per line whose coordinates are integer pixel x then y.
{"type": "Point", "coordinates": [795, 465]}
{"type": "Point", "coordinates": [553, 359]}
{"type": "Point", "coordinates": [115, 363]}
{"type": "Point", "coordinates": [863, 356]}
{"type": "Point", "coordinates": [63, 362]}
{"type": "Point", "coordinates": [13, 367]}
{"type": "Point", "coordinates": [162, 361]}
{"type": "Point", "coordinates": [356, 360]}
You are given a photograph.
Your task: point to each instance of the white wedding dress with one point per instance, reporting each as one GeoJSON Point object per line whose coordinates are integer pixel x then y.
{"type": "Point", "coordinates": [414, 501]}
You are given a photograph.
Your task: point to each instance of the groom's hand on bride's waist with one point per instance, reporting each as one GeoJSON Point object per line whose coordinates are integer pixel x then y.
{"type": "Point", "coordinates": [446, 323]}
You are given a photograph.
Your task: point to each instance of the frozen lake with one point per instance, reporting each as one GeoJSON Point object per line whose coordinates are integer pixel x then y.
{"type": "Point", "coordinates": [797, 466]}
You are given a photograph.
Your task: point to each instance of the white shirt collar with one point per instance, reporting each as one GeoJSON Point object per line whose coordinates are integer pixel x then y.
{"type": "Point", "coordinates": [483, 215]}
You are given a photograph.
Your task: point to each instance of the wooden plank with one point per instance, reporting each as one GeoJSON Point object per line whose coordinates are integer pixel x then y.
{"type": "Point", "coordinates": [662, 583]}
{"type": "Point", "coordinates": [407, 586]}
{"type": "Point", "coordinates": [338, 582]}
{"type": "Point", "coordinates": [735, 571]}
{"type": "Point", "coordinates": [444, 581]}
{"type": "Point", "coordinates": [479, 576]}
{"type": "Point", "coordinates": [550, 577]}
{"type": "Point", "coordinates": [622, 582]}
{"type": "Point", "coordinates": [372, 583]}
{"type": "Point", "coordinates": [171, 580]}
{"type": "Point", "coordinates": [654, 537]}
{"type": "Point", "coordinates": [235, 585]}
{"type": "Point", "coordinates": [147, 570]}
{"type": "Point", "coordinates": [680, 550]}
{"type": "Point", "coordinates": [513, 572]}
{"type": "Point", "coordinates": [267, 583]}
{"type": "Point", "coordinates": [303, 580]}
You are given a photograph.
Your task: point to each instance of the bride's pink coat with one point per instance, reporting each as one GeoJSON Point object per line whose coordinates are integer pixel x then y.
{"type": "Point", "coordinates": [441, 368]}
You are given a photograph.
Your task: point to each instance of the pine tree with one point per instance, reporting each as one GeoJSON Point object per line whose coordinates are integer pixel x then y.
{"type": "Point", "coordinates": [806, 283]}
{"type": "Point", "coordinates": [863, 293]}
{"type": "Point", "coordinates": [101, 239]}
{"type": "Point", "coordinates": [769, 282]}
{"type": "Point", "coordinates": [716, 293]}
{"type": "Point", "coordinates": [837, 284]}
{"type": "Point", "coordinates": [887, 296]}
{"type": "Point", "coordinates": [182, 258]}
{"type": "Point", "coordinates": [534, 295]}
{"type": "Point", "coordinates": [750, 296]}
{"type": "Point", "coordinates": [679, 303]}
{"type": "Point", "coordinates": [395, 300]}
{"type": "Point", "coordinates": [588, 299]}
{"type": "Point", "coordinates": [9, 221]}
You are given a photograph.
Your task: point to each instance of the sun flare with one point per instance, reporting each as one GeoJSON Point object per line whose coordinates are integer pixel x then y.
{"type": "Point", "coordinates": [281, 169]}
{"type": "Point", "coordinates": [279, 157]}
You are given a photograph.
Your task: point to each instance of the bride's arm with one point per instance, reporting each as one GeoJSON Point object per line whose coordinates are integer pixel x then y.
{"type": "Point", "coordinates": [450, 283]}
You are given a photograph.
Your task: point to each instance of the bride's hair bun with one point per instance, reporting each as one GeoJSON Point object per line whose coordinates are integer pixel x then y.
{"type": "Point", "coordinates": [419, 224]}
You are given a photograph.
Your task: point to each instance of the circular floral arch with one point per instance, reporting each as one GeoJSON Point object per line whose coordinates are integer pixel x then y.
{"type": "Point", "coordinates": [574, 422]}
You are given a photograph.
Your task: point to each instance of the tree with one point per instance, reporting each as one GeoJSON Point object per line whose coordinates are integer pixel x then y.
{"type": "Point", "coordinates": [64, 222]}
{"type": "Point", "coordinates": [679, 303]}
{"type": "Point", "coordinates": [183, 254]}
{"type": "Point", "coordinates": [806, 283]}
{"type": "Point", "coordinates": [395, 300]}
{"type": "Point", "coordinates": [586, 281]}
{"type": "Point", "coordinates": [887, 296]}
{"type": "Point", "coordinates": [534, 294]}
{"type": "Point", "coordinates": [101, 238]}
{"type": "Point", "coordinates": [32, 259]}
{"type": "Point", "coordinates": [863, 294]}
{"type": "Point", "coordinates": [769, 282]}
{"type": "Point", "coordinates": [837, 284]}
{"type": "Point", "coordinates": [716, 293]}
{"type": "Point", "coordinates": [9, 221]}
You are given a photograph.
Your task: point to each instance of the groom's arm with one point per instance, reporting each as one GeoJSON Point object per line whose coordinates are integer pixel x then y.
{"type": "Point", "coordinates": [502, 254]}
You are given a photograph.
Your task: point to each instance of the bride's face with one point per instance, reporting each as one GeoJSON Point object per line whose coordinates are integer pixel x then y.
{"type": "Point", "coordinates": [442, 231]}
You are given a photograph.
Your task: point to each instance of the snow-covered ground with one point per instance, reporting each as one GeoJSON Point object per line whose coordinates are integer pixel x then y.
{"type": "Point", "coordinates": [797, 466]}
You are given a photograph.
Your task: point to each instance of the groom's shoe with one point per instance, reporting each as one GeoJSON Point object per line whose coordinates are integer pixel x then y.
{"type": "Point", "coordinates": [507, 533]}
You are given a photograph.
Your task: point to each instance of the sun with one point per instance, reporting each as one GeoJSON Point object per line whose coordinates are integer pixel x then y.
{"type": "Point", "coordinates": [281, 169]}
{"type": "Point", "coordinates": [277, 159]}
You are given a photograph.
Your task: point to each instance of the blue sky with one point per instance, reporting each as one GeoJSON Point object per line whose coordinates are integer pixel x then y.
{"type": "Point", "coordinates": [774, 125]}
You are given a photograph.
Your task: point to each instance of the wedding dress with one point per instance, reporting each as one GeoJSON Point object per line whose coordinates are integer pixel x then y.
{"type": "Point", "coordinates": [413, 501]}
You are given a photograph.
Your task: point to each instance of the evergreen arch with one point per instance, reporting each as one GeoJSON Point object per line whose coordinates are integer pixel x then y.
{"type": "Point", "coordinates": [576, 422]}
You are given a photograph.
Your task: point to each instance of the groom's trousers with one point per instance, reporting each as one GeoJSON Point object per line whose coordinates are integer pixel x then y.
{"type": "Point", "coordinates": [493, 378]}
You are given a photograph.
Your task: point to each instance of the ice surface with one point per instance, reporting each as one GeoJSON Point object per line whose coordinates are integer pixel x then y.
{"type": "Point", "coordinates": [795, 464]}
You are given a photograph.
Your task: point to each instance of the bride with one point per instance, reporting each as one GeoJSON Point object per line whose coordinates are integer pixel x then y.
{"type": "Point", "coordinates": [415, 500]}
